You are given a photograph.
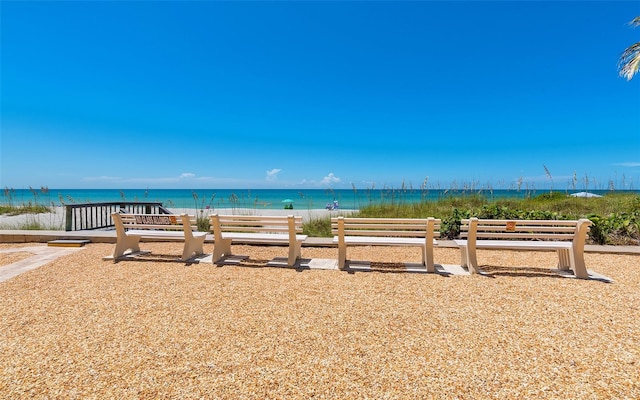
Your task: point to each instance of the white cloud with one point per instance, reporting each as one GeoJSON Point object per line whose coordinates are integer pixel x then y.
{"type": "Point", "coordinates": [329, 179]}
{"type": "Point", "coordinates": [187, 175]}
{"type": "Point", "coordinates": [628, 164]}
{"type": "Point", "coordinates": [273, 174]}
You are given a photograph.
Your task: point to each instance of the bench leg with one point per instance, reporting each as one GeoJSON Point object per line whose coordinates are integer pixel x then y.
{"type": "Point", "coordinates": [468, 259]}
{"type": "Point", "coordinates": [295, 251]}
{"type": "Point", "coordinates": [342, 256]}
{"type": "Point", "coordinates": [124, 243]}
{"type": "Point", "coordinates": [427, 259]}
{"type": "Point", "coordinates": [463, 256]}
{"type": "Point", "coordinates": [193, 247]}
{"type": "Point", "coordinates": [221, 248]}
{"type": "Point", "coordinates": [564, 259]}
{"type": "Point", "coordinates": [577, 263]}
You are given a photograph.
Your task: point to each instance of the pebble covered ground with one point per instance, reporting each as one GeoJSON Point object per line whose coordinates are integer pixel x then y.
{"type": "Point", "coordinates": [83, 328]}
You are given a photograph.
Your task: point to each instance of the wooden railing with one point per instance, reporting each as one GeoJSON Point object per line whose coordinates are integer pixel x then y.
{"type": "Point", "coordinates": [90, 216]}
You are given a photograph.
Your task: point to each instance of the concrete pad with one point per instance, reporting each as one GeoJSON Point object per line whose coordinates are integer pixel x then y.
{"type": "Point", "coordinates": [566, 273]}
{"type": "Point", "coordinates": [305, 263]}
{"type": "Point", "coordinates": [68, 243]}
{"type": "Point", "coordinates": [592, 275]}
{"type": "Point", "coordinates": [231, 260]}
{"type": "Point", "coordinates": [42, 255]}
{"type": "Point", "coordinates": [127, 256]}
{"type": "Point", "coordinates": [416, 268]}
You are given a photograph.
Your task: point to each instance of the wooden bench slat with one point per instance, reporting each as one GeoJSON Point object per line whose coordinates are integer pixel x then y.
{"type": "Point", "coordinates": [383, 241]}
{"type": "Point", "coordinates": [517, 245]}
{"type": "Point", "coordinates": [353, 232]}
{"type": "Point", "coordinates": [526, 228]}
{"type": "Point", "coordinates": [228, 228]}
{"type": "Point", "coordinates": [530, 236]}
{"type": "Point", "coordinates": [407, 227]}
{"type": "Point", "coordinates": [263, 219]}
{"type": "Point", "coordinates": [252, 222]}
{"type": "Point", "coordinates": [558, 222]}
{"type": "Point", "coordinates": [351, 220]}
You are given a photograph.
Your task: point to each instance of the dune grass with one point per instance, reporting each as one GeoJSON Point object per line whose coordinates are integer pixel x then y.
{"type": "Point", "coordinates": [615, 216]}
{"type": "Point", "coordinates": [29, 208]}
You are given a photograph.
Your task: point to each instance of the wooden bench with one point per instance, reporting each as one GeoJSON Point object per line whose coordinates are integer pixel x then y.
{"type": "Point", "coordinates": [566, 237]}
{"type": "Point", "coordinates": [256, 228]}
{"type": "Point", "coordinates": [131, 227]}
{"type": "Point", "coordinates": [386, 232]}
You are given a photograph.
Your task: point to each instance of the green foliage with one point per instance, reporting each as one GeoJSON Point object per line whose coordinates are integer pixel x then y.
{"type": "Point", "coordinates": [318, 227]}
{"type": "Point", "coordinates": [617, 228]}
{"type": "Point", "coordinates": [203, 223]}
{"type": "Point", "coordinates": [28, 208]}
{"type": "Point", "coordinates": [615, 217]}
{"type": "Point", "coordinates": [450, 225]}
{"type": "Point", "coordinates": [33, 225]}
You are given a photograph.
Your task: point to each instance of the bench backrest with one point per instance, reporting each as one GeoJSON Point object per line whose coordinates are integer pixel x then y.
{"type": "Point", "coordinates": [523, 229]}
{"type": "Point", "coordinates": [167, 222]}
{"type": "Point", "coordinates": [385, 227]}
{"type": "Point", "coordinates": [256, 224]}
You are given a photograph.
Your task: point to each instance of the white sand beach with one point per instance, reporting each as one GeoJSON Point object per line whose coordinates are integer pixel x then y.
{"type": "Point", "coordinates": [56, 219]}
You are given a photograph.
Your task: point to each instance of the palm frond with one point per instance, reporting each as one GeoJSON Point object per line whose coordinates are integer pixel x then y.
{"type": "Point", "coordinates": [629, 62]}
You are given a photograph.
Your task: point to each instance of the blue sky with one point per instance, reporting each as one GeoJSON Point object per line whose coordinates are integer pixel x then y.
{"type": "Point", "coordinates": [319, 94]}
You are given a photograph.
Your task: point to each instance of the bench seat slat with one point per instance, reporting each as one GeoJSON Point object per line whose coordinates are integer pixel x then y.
{"type": "Point", "coordinates": [410, 221]}
{"type": "Point", "coordinates": [553, 222]}
{"type": "Point", "coordinates": [167, 234]}
{"type": "Point", "coordinates": [385, 233]}
{"type": "Point", "coordinates": [256, 218]}
{"type": "Point", "coordinates": [383, 241]}
{"type": "Point", "coordinates": [376, 225]}
{"type": "Point", "coordinates": [253, 222]}
{"type": "Point", "coordinates": [517, 244]}
{"type": "Point", "coordinates": [252, 229]}
{"type": "Point", "coordinates": [528, 228]}
{"type": "Point", "coordinates": [283, 237]}
{"type": "Point", "coordinates": [155, 227]}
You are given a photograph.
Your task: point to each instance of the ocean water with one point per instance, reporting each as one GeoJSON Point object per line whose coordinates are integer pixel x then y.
{"type": "Point", "coordinates": [347, 199]}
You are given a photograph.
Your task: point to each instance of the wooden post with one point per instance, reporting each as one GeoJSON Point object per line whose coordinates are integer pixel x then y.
{"type": "Point", "coordinates": [69, 218]}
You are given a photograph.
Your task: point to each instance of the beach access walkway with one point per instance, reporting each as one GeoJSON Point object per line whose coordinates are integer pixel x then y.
{"type": "Point", "coordinates": [41, 255]}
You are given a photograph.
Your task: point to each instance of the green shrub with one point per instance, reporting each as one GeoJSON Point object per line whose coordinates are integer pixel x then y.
{"type": "Point", "coordinates": [318, 227]}
{"type": "Point", "coordinates": [24, 209]}
{"type": "Point", "coordinates": [615, 216]}
{"type": "Point", "coordinates": [203, 223]}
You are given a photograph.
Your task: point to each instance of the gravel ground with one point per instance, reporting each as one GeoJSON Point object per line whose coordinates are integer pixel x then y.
{"type": "Point", "coordinates": [81, 327]}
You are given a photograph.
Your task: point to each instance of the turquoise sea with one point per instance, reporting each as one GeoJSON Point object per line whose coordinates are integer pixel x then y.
{"type": "Point", "coordinates": [348, 199]}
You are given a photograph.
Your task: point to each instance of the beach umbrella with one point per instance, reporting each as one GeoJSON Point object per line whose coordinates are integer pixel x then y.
{"type": "Point", "coordinates": [287, 201]}
{"type": "Point", "coordinates": [584, 194]}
